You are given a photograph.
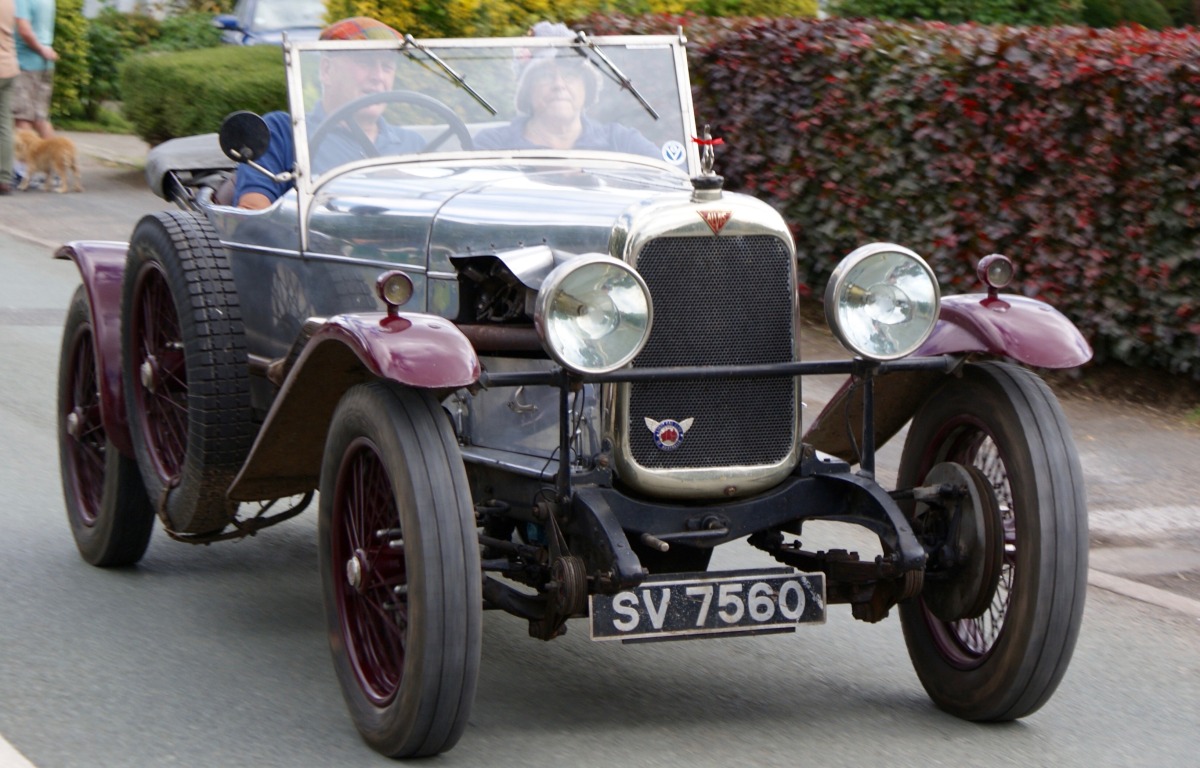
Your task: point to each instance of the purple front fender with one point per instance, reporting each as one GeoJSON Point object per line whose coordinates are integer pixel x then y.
{"type": "Point", "coordinates": [1026, 330]}
{"type": "Point", "coordinates": [420, 351]}
{"type": "Point", "coordinates": [101, 264]}
{"type": "Point", "coordinates": [1013, 327]}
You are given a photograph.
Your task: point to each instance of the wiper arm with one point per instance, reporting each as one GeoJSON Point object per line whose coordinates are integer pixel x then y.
{"type": "Point", "coordinates": [616, 74]}
{"type": "Point", "coordinates": [410, 40]}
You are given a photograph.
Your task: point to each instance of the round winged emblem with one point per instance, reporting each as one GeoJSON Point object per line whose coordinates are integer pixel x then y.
{"type": "Point", "coordinates": [668, 433]}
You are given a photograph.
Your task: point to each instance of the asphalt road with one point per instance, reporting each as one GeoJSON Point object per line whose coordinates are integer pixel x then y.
{"type": "Point", "coordinates": [216, 655]}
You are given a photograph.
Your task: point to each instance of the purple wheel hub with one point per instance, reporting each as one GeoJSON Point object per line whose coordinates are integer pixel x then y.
{"type": "Point", "coordinates": [372, 599]}
{"type": "Point", "coordinates": [86, 438]}
{"type": "Point", "coordinates": [162, 387]}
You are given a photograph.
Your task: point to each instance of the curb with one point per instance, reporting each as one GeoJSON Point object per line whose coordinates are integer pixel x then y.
{"type": "Point", "coordinates": [1145, 593]}
{"type": "Point", "coordinates": [89, 146]}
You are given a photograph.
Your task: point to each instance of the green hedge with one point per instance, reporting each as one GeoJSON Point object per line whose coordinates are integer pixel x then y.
{"type": "Point", "coordinates": [181, 94]}
{"type": "Point", "coordinates": [114, 36]}
{"type": "Point", "coordinates": [1112, 13]}
{"type": "Point", "coordinates": [71, 70]}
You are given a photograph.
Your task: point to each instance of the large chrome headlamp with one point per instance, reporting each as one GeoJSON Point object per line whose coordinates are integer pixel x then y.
{"type": "Point", "coordinates": [593, 314]}
{"type": "Point", "coordinates": [882, 301]}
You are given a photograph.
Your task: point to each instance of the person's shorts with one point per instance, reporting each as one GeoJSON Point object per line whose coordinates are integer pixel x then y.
{"type": "Point", "coordinates": [31, 95]}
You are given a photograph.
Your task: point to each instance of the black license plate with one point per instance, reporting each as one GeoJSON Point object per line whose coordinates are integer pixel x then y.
{"type": "Point", "coordinates": [682, 605]}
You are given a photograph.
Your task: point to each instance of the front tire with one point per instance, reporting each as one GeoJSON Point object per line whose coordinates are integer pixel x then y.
{"type": "Point", "coordinates": [399, 558]}
{"type": "Point", "coordinates": [107, 507]}
{"type": "Point", "coordinates": [1006, 663]}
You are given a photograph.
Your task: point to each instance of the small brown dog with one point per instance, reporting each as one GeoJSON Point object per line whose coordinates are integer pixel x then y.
{"type": "Point", "coordinates": [53, 157]}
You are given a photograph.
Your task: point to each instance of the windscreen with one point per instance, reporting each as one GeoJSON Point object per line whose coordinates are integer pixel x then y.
{"type": "Point", "coordinates": [363, 100]}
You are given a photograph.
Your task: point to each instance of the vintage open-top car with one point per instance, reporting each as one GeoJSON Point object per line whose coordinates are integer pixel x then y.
{"type": "Point", "coordinates": [551, 382]}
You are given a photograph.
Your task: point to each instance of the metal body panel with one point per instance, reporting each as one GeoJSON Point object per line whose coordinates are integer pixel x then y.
{"type": "Point", "coordinates": [416, 215]}
{"type": "Point", "coordinates": [524, 420]}
{"type": "Point", "coordinates": [412, 349]}
{"type": "Point", "coordinates": [415, 350]}
{"type": "Point", "coordinates": [102, 266]}
{"type": "Point", "coordinates": [1027, 330]}
{"type": "Point", "coordinates": [190, 154]}
{"type": "Point", "coordinates": [574, 207]}
{"type": "Point", "coordinates": [273, 228]}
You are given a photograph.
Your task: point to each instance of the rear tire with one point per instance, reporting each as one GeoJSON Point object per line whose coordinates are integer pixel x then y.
{"type": "Point", "coordinates": [110, 515]}
{"type": "Point", "coordinates": [1006, 663]}
{"type": "Point", "coordinates": [399, 557]}
{"type": "Point", "coordinates": [187, 384]}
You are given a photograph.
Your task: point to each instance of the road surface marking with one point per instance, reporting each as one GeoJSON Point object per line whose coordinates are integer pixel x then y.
{"type": "Point", "coordinates": [10, 757]}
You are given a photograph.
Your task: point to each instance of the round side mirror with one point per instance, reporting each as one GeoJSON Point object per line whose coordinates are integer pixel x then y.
{"type": "Point", "coordinates": [244, 136]}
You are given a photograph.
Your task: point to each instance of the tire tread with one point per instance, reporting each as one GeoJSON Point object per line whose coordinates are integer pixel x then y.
{"type": "Point", "coordinates": [219, 423]}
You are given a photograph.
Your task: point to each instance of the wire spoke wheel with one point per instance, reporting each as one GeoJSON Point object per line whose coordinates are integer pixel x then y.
{"type": "Point", "coordinates": [84, 435]}
{"type": "Point", "coordinates": [161, 390]}
{"type": "Point", "coordinates": [400, 570]}
{"type": "Point", "coordinates": [107, 508]}
{"type": "Point", "coordinates": [373, 604]}
{"type": "Point", "coordinates": [1006, 662]}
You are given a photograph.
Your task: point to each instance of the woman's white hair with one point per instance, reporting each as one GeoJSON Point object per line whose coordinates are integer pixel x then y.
{"type": "Point", "coordinates": [542, 57]}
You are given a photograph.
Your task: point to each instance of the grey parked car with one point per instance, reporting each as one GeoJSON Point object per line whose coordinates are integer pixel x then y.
{"type": "Point", "coordinates": [551, 382]}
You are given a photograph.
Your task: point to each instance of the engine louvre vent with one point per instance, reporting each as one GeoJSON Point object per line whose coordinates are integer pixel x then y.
{"type": "Point", "coordinates": [717, 301]}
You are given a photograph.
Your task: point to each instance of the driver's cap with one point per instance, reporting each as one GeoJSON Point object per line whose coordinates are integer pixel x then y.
{"type": "Point", "coordinates": [360, 28]}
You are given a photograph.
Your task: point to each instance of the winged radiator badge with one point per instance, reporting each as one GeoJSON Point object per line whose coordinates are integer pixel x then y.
{"type": "Point", "coordinates": [668, 433]}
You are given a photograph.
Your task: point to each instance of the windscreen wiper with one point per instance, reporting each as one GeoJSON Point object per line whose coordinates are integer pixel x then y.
{"type": "Point", "coordinates": [614, 73]}
{"type": "Point", "coordinates": [410, 40]}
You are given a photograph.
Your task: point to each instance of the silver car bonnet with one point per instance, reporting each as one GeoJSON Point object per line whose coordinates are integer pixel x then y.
{"type": "Point", "coordinates": [420, 214]}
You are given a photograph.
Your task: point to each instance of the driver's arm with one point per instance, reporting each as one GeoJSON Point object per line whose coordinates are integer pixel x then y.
{"type": "Point", "coordinates": [254, 201]}
{"type": "Point", "coordinates": [254, 190]}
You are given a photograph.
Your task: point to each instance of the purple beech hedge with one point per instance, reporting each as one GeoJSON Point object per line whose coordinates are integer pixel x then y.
{"type": "Point", "coordinates": [1075, 151]}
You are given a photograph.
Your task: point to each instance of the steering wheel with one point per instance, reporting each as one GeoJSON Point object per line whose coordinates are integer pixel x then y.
{"type": "Point", "coordinates": [454, 124]}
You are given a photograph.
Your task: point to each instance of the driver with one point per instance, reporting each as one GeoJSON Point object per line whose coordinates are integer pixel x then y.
{"type": "Point", "coordinates": [344, 77]}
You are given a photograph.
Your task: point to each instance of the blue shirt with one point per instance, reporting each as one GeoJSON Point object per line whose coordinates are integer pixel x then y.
{"type": "Point", "coordinates": [40, 15]}
{"type": "Point", "coordinates": [336, 149]}
{"type": "Point", "coordinates": [612, 137]}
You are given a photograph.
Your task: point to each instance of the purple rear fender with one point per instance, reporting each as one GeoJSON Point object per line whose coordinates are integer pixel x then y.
{"type": "Point", "coordinates": [1026, 330]}
{"type": "Point", "coordinates": [420, 351]}
{"type": "Point", "coordinates": [101, 264]}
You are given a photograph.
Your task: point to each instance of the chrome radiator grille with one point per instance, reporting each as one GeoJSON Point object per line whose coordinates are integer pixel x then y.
{"type": "Point", "coordinates": [717, 301]}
